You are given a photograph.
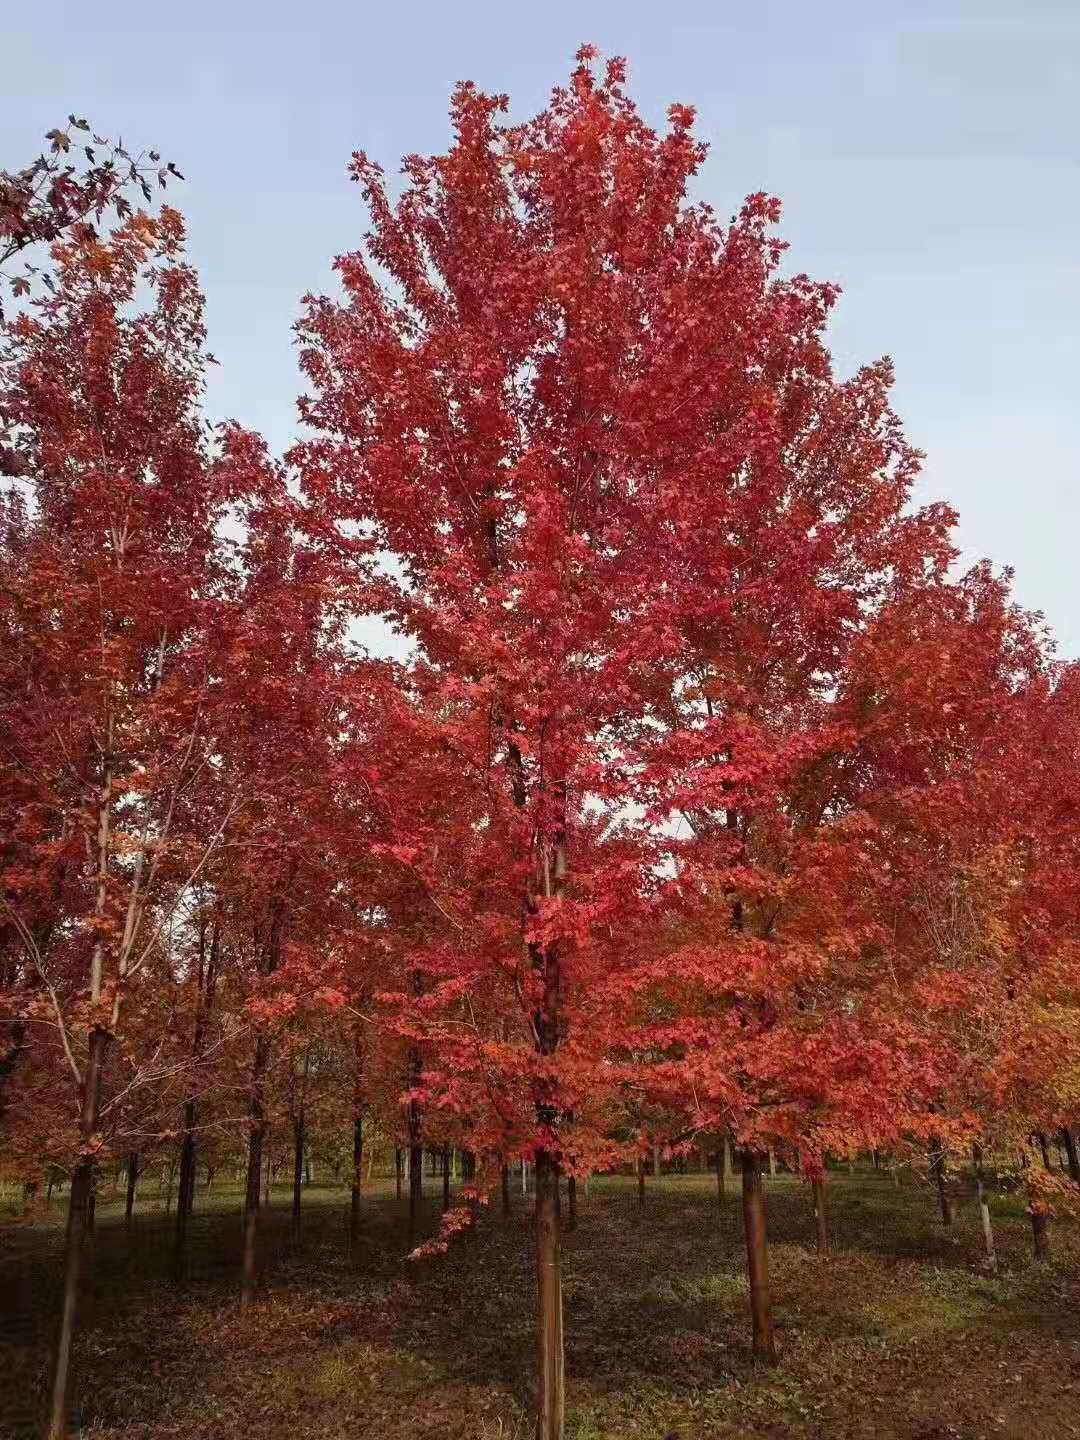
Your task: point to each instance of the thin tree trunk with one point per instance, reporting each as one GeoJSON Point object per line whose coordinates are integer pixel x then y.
{"type": "Point", "coordinates": [298, 1172]}
{"type": "Point", "coordinates": [1044, 1149]}
{"type": "Point", "coordinates": [757, 1258]}
{"type": "Point", "coordinates": [446, 1167]}
{"type": "Point", "coordinates": [253, 1193]}
{"type": "Point", "coordinates": [772, 1163]}
{"type": "Point", "coordinates": [81, 1189]}
{"type": "Point", "coordinates": [571, 1202]}
{"type": "Point", "coordinates": [1069, 1142]}
{"type": "Point", "coordinates": [506, 1191]}
{"type": "Point", "coordinates": [937, 1166]}
{"type": "Point", "coordinates": [132, 1182]}
{"type": "Point", "coordinates": [416, 1154]}
{"type": "Point", "coordinates": [656, 1162]}
{"type": "Point", "coordinates": [524, 1177]}
{"type": "Point", "coordinates": [550, 1398]}
{"type": "Point", "coordinates": [984, 1212]}
{"type": "Point", "coordinates": [357, 1178]}
{"type": "Point", "coordinates": [721, 1174]}
{"type": "Point", "coordinates": [821, 1216]}
{"type": "Point", "coordinates": [399, 1163]}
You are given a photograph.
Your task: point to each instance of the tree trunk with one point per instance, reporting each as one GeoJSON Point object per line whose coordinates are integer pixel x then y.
{"type": "Point", "coordinates": [984, 1212]}
{"type": "Point", "coordinates": [937, 1166]}
{"type": "Point", "coordinates": [357, 1178]}
{"type": "Point", "coordinates": [571, 1202]}
{"type": "Point", "coordinates": [721, 1174]}
{"type": "Point", "coordinates": [416, 1152]}
{"type": "Point", "coordinates": [729, 1155]}
{"type": "Point", "coordinates": [81, 1190]}
{"type": "Point", "coordinates": [656, 1162]}
{"type": "Point", "coordinates": [132, 1182]}
{"type": "Point", "coordinates": [298, 1171]}
{"type": "Point", "coordinates": [550, 1396]}
{"type": "Point", "coordinates": [1069, 1141]}
{"type": "Point", "coordinates": [1044, 1149]}
{"type": "Point", "coordinates": [399, 1163]}
{"type": "Point", "coordinates": [446, 1173]}
{"type": "Point", "coordinates": [524, 1177]}
{"type": "Point", "coordinates": [757, 1258]}
{"type": "Point", "coordinates": [772, 1163]}
{"type": "Point", "coordinates": [821, 1216]}
{"type": "Point", "coordinates": [506, 1192]}
{"type": "Point", "coordinates": [253, 1192]}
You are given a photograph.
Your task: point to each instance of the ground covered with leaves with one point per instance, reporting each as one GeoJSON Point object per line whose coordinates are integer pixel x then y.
{"type": "Point", "coordinates": [899, 1333]}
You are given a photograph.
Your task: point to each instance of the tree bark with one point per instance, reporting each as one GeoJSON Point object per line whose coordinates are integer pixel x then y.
{"type": "Point", "coordinates": [937, 1166]}
{"type": "Point", "coordinates": [571, 1202]}
{"type": "Point", "coordinates": [550, 1397]}
{"type": "Point", "coordinates": [984, 1212]}
{"type": "Point", "coordinates": [821, 1216]}
{"type": "Point", "coordinates": [132, 1182]}
{"type": "Point", "coordinates": [1069, 1141]}
{"type": "Point", "coordinates": [446, 1178]}
{"type": "Point", "coordinates": [416, 1159]}
{"type": "Point", "coordinates": [253, 1193]}
{"type": "Point", "coordinates": [757, 1258]}
{"type": "Point", "coordinates": [298, 1172]}
{"type": "Point", "coordinates": [357, 1178]}
{"type": "Point", "coordinates": [656, 1162]}
{"type": "Point", "coordinates": [505, 1178]}
{"type": "Point", "coordinates": [1044, 1149]}
{"type": "Point", "coordinates": [81, 1190]}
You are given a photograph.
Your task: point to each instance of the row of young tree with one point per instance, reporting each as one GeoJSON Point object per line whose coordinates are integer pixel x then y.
{"type": "Point", "coordinates": [705, 799]}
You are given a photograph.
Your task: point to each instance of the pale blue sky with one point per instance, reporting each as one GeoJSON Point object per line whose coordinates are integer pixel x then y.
{"type": "Point", "coordinates": [928, 156]}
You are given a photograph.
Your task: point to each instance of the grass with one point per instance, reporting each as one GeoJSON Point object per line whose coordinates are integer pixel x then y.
{"type": "Point", "coordinates": [899, 1333]}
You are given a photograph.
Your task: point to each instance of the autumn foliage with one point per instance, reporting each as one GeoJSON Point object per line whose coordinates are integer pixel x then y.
{"type": "Point", "coordinates": [704, 802]}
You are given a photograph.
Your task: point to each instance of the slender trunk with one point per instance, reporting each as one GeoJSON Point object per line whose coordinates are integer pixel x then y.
{"type": "Point", "coordinates": [506, 1192]}
{"type": "Point", "coordinates": [721, 1174]}
{"type": "Point", "coordinates": [1044, 1150]}
{"type": "Point", "coordinates": [1069, 1141]}
{"type": "Point", "coordinates": [772, 1163]}
{"type": "Point", "coordinates": [416, 1155]}
{"type": "Point", "coordinates": [81, 1190]}
{"type": "Point", "coordinates": [186, 1194]}
{"type": "Point", "coordinates": [399, 1162]}
{"type": "Point", "coordinates": [357, 1179]}
{"type": "Point", "coordinates": [446, 1179]}
{"type": "Point", "coordinates": [984, 1212]}
{"type": "Point", "coordinates": [821, 1216]}
{"type": "Point", "coordinates": [571, 1202]}
{"type": "Point", "coordinates": [132, 1182]}
{"type": "Point", "coordinates": [729, 1155]}
{"type": "Point", "coordinates": [550, 1398]}
{"type": "Point", "coordinates": [91, 1201]}
{"type": "Point", "coordinates": [937, 1166]}
{"type": "Point", "coordinates": [298, 1171]}
{"type": "Point", "coordinates": [524, 1177]}
{"type": "Point", "coordinates": [656, 1162]}
{"type": "Point", "coordinates": [757, 1258]}
{"type": "Point", "coordinates": [253, 1193]}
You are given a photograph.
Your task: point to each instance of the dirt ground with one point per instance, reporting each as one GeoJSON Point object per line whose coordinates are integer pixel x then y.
{"type": "Point", "coordinates": [899, 1333]}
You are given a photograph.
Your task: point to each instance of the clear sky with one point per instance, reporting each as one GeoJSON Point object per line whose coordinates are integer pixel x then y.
{"type": "Point", "coordinates": [928, 156]}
